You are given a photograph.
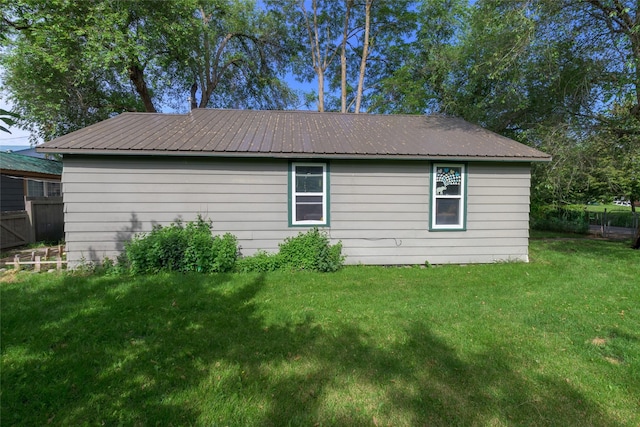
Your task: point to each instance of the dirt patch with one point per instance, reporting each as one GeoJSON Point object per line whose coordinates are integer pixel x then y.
{"type": "Point", "coordinates": [9, 276]}
{"type": "Point", "coordinates": [44, 252]}
{"type": "Point", "coordinates": [598, 341]}
{"type": "Point", "coordinates": [613, 360]}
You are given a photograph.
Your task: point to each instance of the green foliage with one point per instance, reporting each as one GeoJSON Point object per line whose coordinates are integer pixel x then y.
{"type": "Point", "coordinates": [179, 248]}
{"type": "Point", "coordinates": [8, 118]}
{"type": "Point", "coordinates": [260, 262]}
{"type": "Point", "coordinates": [624, 219]}
{"type": "Point", "coordinates": [109, 267]}
{"type": "Point", "coordinates": [561, 219]}
{"type": "Point", "coordinates": [66, 65]}
{"type": "Point", "coordinates": [225, 250]}
{"type": "Point", "coordinates": [311, 251]}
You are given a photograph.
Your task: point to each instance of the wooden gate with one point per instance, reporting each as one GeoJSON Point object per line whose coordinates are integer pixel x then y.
{"type": "Point", "coordinates": [47, 218]}
{"type": "Point", "coordinates": [15, 229]}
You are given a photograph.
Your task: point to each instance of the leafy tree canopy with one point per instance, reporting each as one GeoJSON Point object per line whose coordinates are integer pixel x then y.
{"type": "Point", "coordinates": [559, 75]}
{"type": "Point", "coordinates": [69, 64]}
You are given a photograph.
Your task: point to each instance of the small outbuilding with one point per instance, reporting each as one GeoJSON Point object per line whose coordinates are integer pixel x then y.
{"type": "Point", "coordinates": [395, 189]}
{"type": "Point", "coordinates": [30, 200]}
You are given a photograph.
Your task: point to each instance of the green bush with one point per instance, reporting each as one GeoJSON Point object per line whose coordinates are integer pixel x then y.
{"type": "Point", "coordinates": [310, 251]}
{"type": "Point", "coordinates": [561, 219]}
{"type": "Point", "coordinates": [260, 262]}
{"type": "Point", "coordinates": [160, 250]}
{"type": "Point", "coordinates": [180, 248]}
{"type": "Point", "coordinates": [225, 249]}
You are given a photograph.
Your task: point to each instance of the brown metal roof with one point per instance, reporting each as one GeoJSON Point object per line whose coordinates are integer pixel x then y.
{"type": "Point", "coordinates": [292, 134]}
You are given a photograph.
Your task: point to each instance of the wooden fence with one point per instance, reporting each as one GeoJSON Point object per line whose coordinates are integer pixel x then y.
{"type": "Point", "coordinates": [42, 220]}
{"type": "Point", "coordinates": [15, 229]}
{"type": "Point", "coordinates": [39, 258]}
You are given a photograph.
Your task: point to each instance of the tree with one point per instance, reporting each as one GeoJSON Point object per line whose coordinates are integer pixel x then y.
{"type": "Point", "coordinates": [420, 73]}
{"type": "Point", "coordinates": [364, 56]}
{"type": "Point", "coordinates": [8, 118]}
{"type": "Point", "coordinates": [321, 23]}
{"type": "Point", "coordinates": [70, 64]}
{"type": "Point", "coordinates": [364, 34]}
{"type": "Point", "coordinates": [235, 57]}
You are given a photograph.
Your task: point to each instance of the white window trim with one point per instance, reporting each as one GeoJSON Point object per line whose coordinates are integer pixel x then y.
{"type": "Point", "coordinates": [46, 187]}
{"type": "Point", "coordinates": [462, 197]}
{"type": "Point", "coordinates": [294, 194]}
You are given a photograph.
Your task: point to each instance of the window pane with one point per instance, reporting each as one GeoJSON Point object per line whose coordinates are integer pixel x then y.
{"type": "Point", "coordinates": [54, 189]}
{"type": "Point", "coordinates": [448, 180]}
{"type": "Point", "coordinates": [309, 184]}
{"type": "Point", "coordinates": [309, 208]}
{"type": "Point", "coordinates": [309, 179]}
{"type": "Point", "coordinates": [309, 170]}
{"type": "Point", "coordinates": [35, 188]}
{"type": "Point", "coordinates": [447, 211]}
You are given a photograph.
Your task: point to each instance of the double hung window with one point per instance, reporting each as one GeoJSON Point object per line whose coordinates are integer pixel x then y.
{"type": "Point", "coordinates": [308, 187]}
{"type": "Point", "coordinates": [448, 196]}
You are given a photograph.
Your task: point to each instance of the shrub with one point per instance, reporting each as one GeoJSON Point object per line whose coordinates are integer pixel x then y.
{"type": "Point", "coordinates": [260, 262]}
{"type": "Point", "coordinates": [180, 248]}
{"type": "Point", "coordinates": [311, 251]}
{"type": "Point", "coordinates": [551, 218]}
{"type": "Point", "coordinates": [225, 251]}
{"type": "Point", "coordinates": [160, 250]}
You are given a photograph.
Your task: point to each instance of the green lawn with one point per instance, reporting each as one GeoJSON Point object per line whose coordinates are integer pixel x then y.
{"type": "Point", "coordinates": [552, 342]}
{"type": "Point", "coordinates": [601, 208]}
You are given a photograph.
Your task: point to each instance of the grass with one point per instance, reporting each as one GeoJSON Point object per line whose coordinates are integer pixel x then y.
{"type": "Point", "coordinates": [601, 208]}
{"type": "Point", "coordinates": [552, 342]}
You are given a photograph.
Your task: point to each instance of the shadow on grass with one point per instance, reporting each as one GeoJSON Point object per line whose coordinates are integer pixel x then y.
{"type": "Point", "coordinates": [197, 350]}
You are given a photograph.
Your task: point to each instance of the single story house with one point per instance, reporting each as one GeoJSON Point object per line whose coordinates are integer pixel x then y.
{"type": "Point", "coordinates": [30, 199]}
{"type": "Point", "coordinates": [395, 189]}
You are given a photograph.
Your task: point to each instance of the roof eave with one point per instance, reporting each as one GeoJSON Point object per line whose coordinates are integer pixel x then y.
{"type": "Point", "coordinates": [29, 174]}
{"type": "Point", "coordinates": [227, 154]}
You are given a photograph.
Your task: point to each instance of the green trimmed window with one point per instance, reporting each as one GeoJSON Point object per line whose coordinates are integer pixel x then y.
{"type": "Point", "coordinates": [448, 196]}
{"type": "Point", "coordinates": [308, 187]}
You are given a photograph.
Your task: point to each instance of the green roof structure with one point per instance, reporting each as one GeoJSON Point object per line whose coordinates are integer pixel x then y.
{"type": "Point", "coordinates": [12, 163]}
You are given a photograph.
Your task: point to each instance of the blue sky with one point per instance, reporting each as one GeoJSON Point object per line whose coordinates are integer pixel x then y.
{"type": "Point", "coordinates": [17, 137]}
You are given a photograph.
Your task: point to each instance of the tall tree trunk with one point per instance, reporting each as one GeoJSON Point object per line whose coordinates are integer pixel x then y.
{"type": "Point", "coordinates": [321, 57]}
{"type": "Point", "coordinates": [136, 75]}
{"type": "Point", "coordinates": [320, 73]}
{"type": "Point", "coordinates": [365, 53]}
{"type": "Point", "coordinates": [192, 99]}
{"type": "Point", "coordinates": [343, 58]}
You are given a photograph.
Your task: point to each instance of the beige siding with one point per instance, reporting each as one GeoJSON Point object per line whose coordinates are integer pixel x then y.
{"type": "Point", "coordinates": [380, 210]}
